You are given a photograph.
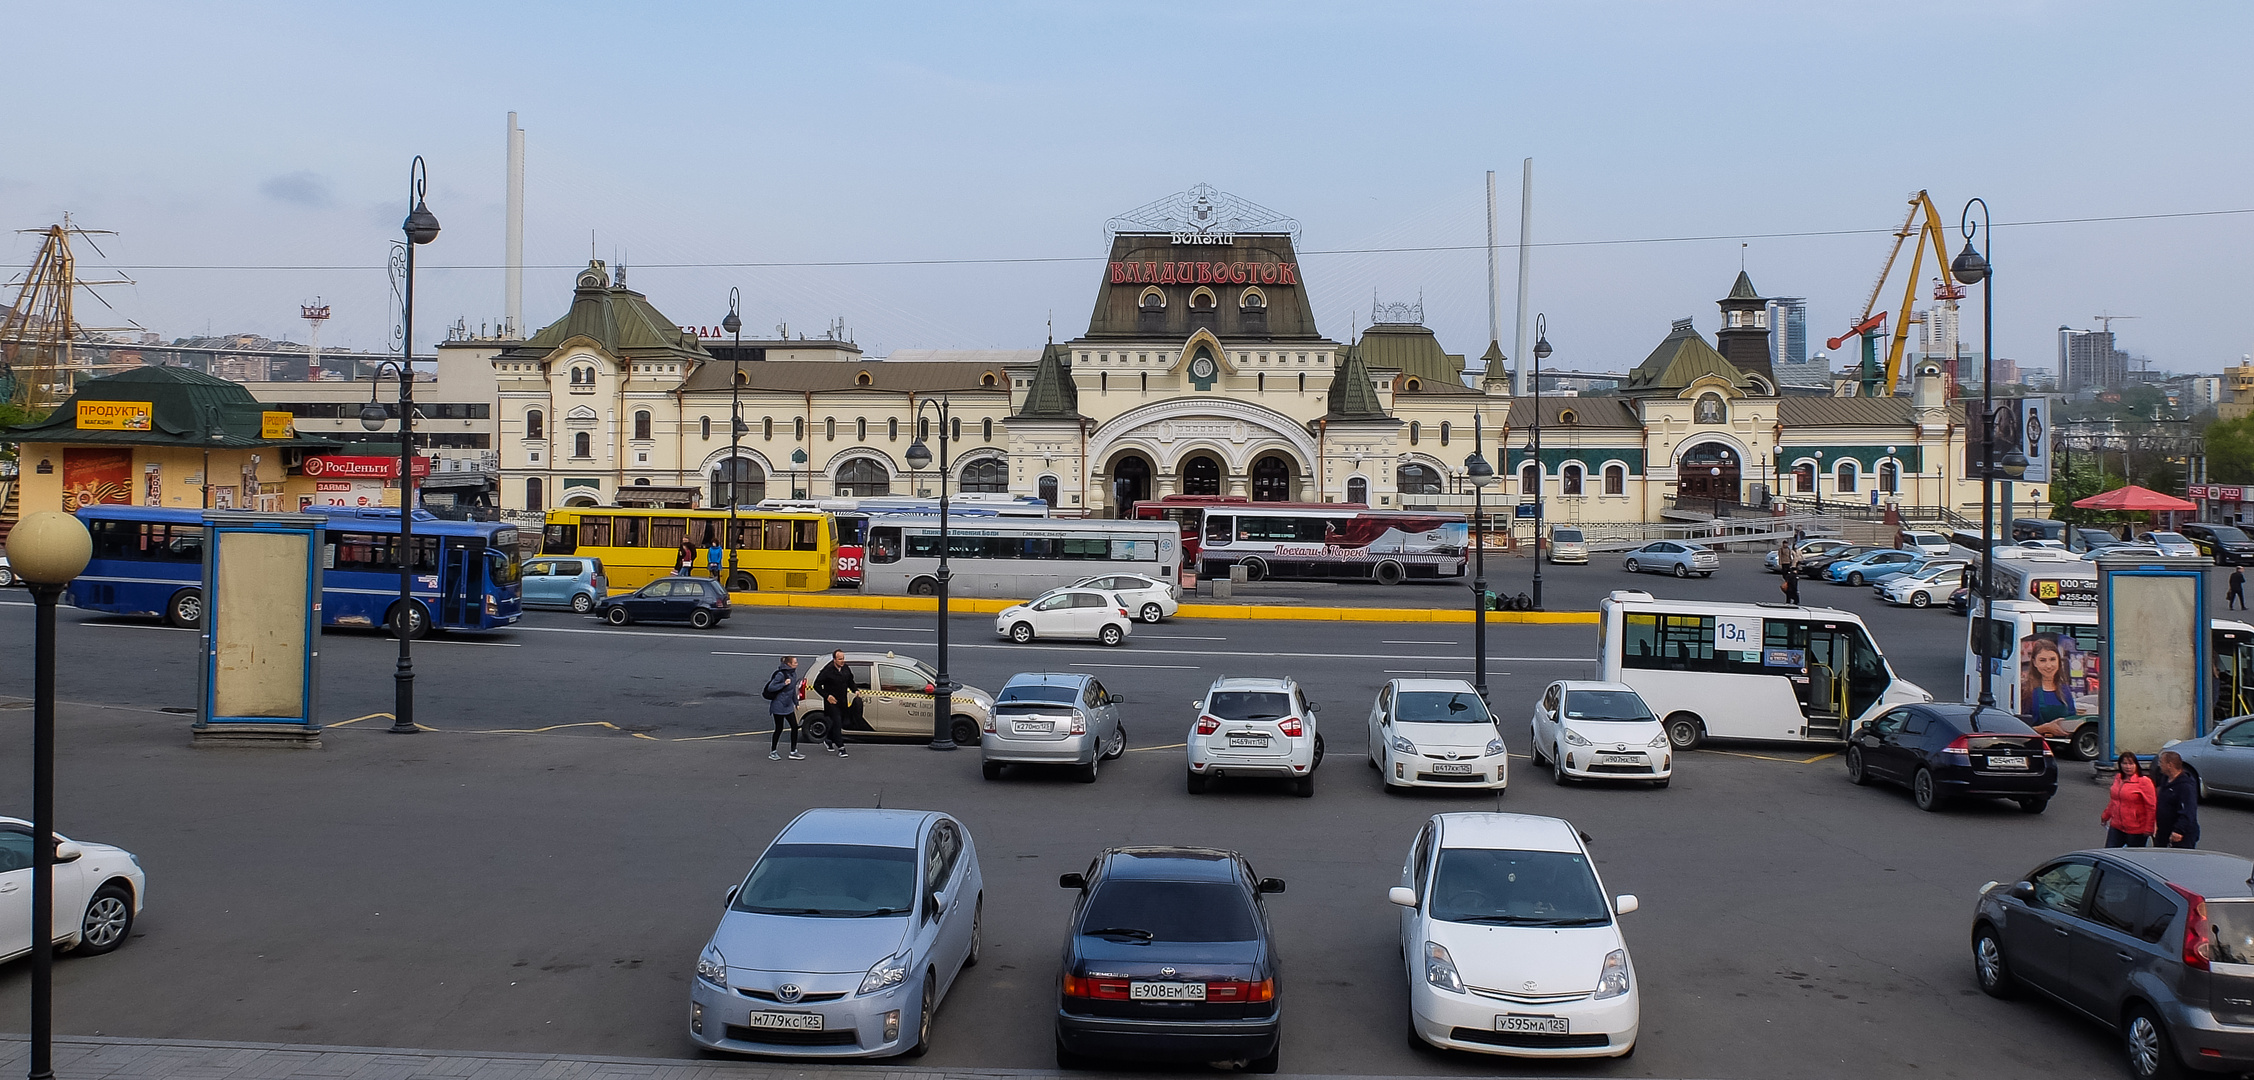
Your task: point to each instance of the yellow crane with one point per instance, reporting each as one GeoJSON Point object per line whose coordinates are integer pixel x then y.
{"type": "Point", "coordinates": [1877, 381]}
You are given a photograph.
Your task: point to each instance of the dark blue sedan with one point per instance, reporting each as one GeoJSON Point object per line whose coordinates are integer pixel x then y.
{"type": "Point", "coordinates": [700, 602]}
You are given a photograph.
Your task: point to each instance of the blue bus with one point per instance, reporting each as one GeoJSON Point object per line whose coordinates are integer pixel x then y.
{"type": "Point", "coordinates": [149, 561]}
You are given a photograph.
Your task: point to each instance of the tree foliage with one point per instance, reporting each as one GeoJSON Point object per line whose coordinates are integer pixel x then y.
{"type": "Point", "coordinates": [2230, 451]}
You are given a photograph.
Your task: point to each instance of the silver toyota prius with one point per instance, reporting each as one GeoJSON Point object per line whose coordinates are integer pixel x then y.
{"type": "Point", "coordinates": [843, 939]}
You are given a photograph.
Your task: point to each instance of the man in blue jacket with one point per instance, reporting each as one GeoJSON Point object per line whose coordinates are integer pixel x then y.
{"type": "Point", "coordinates": [2177, 818]}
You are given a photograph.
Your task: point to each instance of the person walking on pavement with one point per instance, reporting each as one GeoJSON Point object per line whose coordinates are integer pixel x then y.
{"type": "Point", "coordinates": [2236, 598]}
{"type": "Point", "coordinates": [1788, 568]}
{"type": "Point", "coordinates": [835, 683]}
{"type": "Point", "coordinates": [685, 560]}
{"type": "Point", "coordinates": [2129, 810]}
{"type": "Point", "coordinates": [2175, 821]}
{"type": "Point", "coordinates": [783, 691]}
{"type": "Point", "coordinates": [712, 558]}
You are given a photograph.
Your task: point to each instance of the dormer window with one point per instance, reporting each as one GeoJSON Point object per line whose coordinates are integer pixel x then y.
{"type": "Point", "coordinates": [864, 379]}
{"type": "Point", "coordinates": [988, 380]}
{"type": "Point", "coordinates": [1253, 300]}
{"type": "Point", "coordinates": [1202, 299]}
{"type": "Point", "coordinates": [1152, 300]}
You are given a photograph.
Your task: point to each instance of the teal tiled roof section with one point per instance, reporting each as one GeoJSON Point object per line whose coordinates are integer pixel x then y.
{"type": "Point", "coordinates": [1592, 458]}
{"type": "Point", "coordinates": [1352, 395]}
{"type": "Point", "coordinates": [1867, 457]}
{"type": "Point", "coordinates": [186, 408]}
{"type": "Point", "coordinates": [1052, 396]}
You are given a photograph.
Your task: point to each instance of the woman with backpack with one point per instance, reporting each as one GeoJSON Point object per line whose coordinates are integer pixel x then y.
{"type": "Point", "coordinates": [782, 692]}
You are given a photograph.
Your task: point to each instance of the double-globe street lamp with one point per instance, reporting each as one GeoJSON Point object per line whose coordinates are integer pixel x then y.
{"type": "Point", "coordinates": [734, 325]}
{"type": "Point", "coordinates": [919, 457]}
{"type": "Point", "coordinates": [1541, 472]}
{"type": "Point", "coordinates": [46, 550]}
{"type": "Point", "coordinates": [421, 227]}
{"type": "Point", "coordinates": [1481, 474]}
{"type": "Point", "coordinates": [1971, 266]}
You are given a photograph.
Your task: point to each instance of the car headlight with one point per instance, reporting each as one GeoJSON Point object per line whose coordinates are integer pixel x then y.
{"type": "Point", "coordinates": [1402, 745]}
{"type": "Point", "coordinates": [888, 973]}
{"type": "Point", "coordinates": [1658, 742]}
{"type": "Point", "coordinates": [1440, 968]}
{"type": "Point", "coordinates": [1495, 746]}
{"type": "Point", "coordinates": [1573, 738]}
{"type": "Point", "coordinates": [1613, 980]}
{"type": "Point", "coordinates": [711, 966]}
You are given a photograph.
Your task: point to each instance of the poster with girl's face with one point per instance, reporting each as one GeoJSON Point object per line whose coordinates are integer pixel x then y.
{"type": "Point", "coordinates": [2057, 679]}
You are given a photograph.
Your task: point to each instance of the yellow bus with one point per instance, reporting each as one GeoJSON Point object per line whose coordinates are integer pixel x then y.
{"type": "Point", "coordinates": [775, 549]}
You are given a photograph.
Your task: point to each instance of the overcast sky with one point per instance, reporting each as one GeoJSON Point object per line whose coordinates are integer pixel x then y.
{"type": "Point", "coordinates": [253, 156]}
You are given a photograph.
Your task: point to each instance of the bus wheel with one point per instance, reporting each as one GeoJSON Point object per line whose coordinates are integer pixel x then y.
{"type": "Point", "coordinates": [2086, 743]}
{"type": "Point", "coordinates": [186, 609]}
{"type": "Point", "coordinates": [1685, 731]}
{"type": "Point", "coordinates": [1254, 570]}
{"type": "Point", "coordinates": [1390, 573]}
{"type": "Point", "coordinates": [418, 620]}
{"type": "Point", "coordinates": [743, 582]}
{"type": "Point", "coordinates": [923, 586]}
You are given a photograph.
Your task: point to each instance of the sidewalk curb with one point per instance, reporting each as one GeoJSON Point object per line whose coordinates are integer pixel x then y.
{"type": "Point", "coordinates": [1275, 613]}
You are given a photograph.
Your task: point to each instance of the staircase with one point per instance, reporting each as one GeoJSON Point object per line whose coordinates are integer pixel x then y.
{"type": "Point", "coordinates": [8, 508]}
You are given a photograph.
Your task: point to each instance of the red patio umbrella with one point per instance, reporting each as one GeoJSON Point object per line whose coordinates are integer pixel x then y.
{"type": "Point", "coordinates": [2134, 498]}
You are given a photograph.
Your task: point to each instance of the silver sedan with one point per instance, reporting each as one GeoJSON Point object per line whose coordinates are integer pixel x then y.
{"type": "Point", "coordinates": [1679, 557]}
{"type": "Point", "coordinates": [2222, 760]}
{"type": "Point", "coordinates": [1052, 719]}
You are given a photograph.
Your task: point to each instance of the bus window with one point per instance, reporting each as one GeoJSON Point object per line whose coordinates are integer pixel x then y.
{"type": "Point", "coordinates": [561, 539]}
{"type": "Point", "coordinates": [806, 535]}
{"type": "Point", "coordinates": [594, 532]}
{"type": "Point", "coordinates": [1993, 638]}
{"type": "Point", "coordinates": [1220, 529]}
{"type": "Point", "coordinates": [627, 531]}
{"type": "Point", "coordinates": [504, 570]}
{"type": "Point", "coordinates": [748, 535]}
{"type": "Point", "coordinates": [2234, 669]}
{"type": "Point", "coordinates": [884, 545]}
{"type": "Point", "coordinates": [1866, 673]}
{"type": "Point", "coordinates": [668, 532]}
{"type": "Point", "coordinates": [778, 536]}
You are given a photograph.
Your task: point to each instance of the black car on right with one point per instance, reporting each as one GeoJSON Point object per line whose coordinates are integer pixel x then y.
{"type": "Point", "coordinates": [2156, 943]}
{"type": "Point", "coordinates": [1943, 753]}
{"type": "Point", "coordinates": [1815, 564]}
{"type": "Point", "coordinates": [1170, 958]}
{"type": "Point", "coordinates": [2228, 545]}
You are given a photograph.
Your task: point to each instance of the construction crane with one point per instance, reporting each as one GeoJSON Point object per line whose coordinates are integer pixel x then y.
{"type": "Point", "coordinates": [39, 363]}
{"type": "Point", "coordinates": [1877, 379]}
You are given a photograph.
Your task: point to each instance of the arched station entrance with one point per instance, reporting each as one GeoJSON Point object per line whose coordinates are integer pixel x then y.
{"type": "Point", "coordinates": [1706, 478]}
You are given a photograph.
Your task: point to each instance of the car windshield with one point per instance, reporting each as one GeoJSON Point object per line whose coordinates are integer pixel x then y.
{"type": "Point", "coordinates": [837, 881]}
{"type": "Point", "coordinates": [2228, 534]}
{"type": "Point", "coordinates": [1169, 911]}
{"type": "Point", "coordinates": [1517, 888]}
{"type": "Point", "coordinates": [1037, 692]}
{"type": "Point", "coordinates": [1248, 705]}
{"type": "Point", "coordinates": [1434, 707]}
{"type": "Point", "coordinates": [2168, 538]}
{"type": "Point", "coordinates": [1567, 536]}
{"type": "Point", "coordinates": [1605, 705]}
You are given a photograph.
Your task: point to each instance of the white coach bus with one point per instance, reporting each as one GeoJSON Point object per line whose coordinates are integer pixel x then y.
{"type": "Point", "coordinates": [1013, 557]}
{"type": "Point", "coordinates": [1773, 672]}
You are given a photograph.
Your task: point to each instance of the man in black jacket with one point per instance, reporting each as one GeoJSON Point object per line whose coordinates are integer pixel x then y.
{"type": "Point", "coordinates": [2176, 820]}
{"type": "Point", "coordinates": [835, 683]}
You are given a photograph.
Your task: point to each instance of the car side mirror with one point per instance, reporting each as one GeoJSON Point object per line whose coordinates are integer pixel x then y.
{"type": "Point", "coordinates": [1270, 884]}
{"type": "Point", "coordinates": [1314, 706]}
{"type": "Point", "coordinates": [1117, 700]}
{"type": "Point", "coordinates": [1402, 895]}
{"type": "Point", "coordinates": [67, 851]}
{"type": "Point", "coordinates": [931, 907]}
{"type": "Point", "coordinates": [729, 897]}
{"type": "Point", "coordinates": [1198, 705]}
{"type": "Point", "coordinates": [2024, 890]}
{"type": "Point", "coordinates": [1072, 881]}
{"type": "Point", "coordinates": [1624, 903]}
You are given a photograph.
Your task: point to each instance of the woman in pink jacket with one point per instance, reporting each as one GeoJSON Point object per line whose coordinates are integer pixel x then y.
{"type": "Point", "coordinates": [2128, 815]}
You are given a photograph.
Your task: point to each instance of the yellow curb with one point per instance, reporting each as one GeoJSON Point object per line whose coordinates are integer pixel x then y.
{"type": "Point", "coordinates": [1257, 612]}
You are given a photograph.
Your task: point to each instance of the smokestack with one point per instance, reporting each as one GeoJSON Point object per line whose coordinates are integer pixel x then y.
{"type": "Point", "coordinates": [1525, 248]}
{"type": "Point", "coordinates": [1494, 279]}
{"type": "Point", "coordinates": [513, 257]}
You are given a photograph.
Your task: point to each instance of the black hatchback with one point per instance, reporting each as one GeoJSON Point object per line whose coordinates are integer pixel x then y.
{"type": "Point", "coordinates": [1171, 958]}
{"type": "Point", "coordinates": [1947, 752]}
{"type": "Point", "coordinates": [700, 602]}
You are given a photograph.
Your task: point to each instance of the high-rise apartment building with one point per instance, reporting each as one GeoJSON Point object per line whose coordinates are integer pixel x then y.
{"type": "Point", "coordinates": [1788, 344]}
{"type": "Point", "coordinates": [2087, 360]}
{"type": "Point", "coordinates": [1937, 330]}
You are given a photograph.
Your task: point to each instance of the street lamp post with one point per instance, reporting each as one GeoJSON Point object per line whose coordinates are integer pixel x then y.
{"type": "Point", "coordinates": [46, 550]}
{"type": "Point", "coordinates": [734, 325]}
{"type": "Point", "coordinates": [942, 688]}
{"type": "Point", "coordinates": [1541, 480]}
{"type": "Point", "coordinates": [1481, 474]}
{"type": "Point", "coordinates": [1971, 267]}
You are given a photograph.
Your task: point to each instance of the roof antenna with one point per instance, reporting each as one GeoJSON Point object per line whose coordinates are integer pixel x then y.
{"type": "Point", "coordinates": [1741, 256]}
{"type": "Point", "coordinates": [1052, 326]}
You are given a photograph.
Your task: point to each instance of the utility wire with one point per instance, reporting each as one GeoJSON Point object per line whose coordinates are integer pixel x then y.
{"type": "Point", "coordinates": [1095, 259]}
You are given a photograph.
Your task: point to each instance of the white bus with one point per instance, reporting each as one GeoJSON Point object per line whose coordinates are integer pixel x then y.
{"type": "Point", "coordinates": [850, 517]}
{"type": "Point", "coordinates": [2047, 666]}
{"type": "Point", "coordinates": [1325, 541]}
{"type": "Point", "coordinates": [1747, 671]}
{"type": "Point", "coordinates": [1012, 557]}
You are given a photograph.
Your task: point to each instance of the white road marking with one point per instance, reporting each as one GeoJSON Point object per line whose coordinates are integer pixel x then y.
{"type": "Point", "coordinates": [707, 635]}
{"type": "Point", "coordinates": [140, 626]}
{"type": "Point", "coordinates": [487, 644]}
{"type": "Point", "coordinates": [901, 629]}
{"type": "Point", "coordinates": [1421, 643]}
{"type": "Point", "coordinates": [1139, 667]}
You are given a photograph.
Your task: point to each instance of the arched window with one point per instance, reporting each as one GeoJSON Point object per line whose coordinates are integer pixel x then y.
{"type": "Point", "coordinates": [863, 477]}
{"type": "Point", "coordinates": [1253, 300]}
{"type": "Point", "coordinates": [1444, 426]}
{"type": "Point", "coordinates": [955, 428]}
{"type": "Point", "coordinates": [1201, 299]}
{"type": "Point", "coordinates": [798, 428]}
{"type": "Point", "coordinates": [1889, 477]}
{"type": "Point", "coordinates": [1103, 382]}
{"type": "Point", "coordinates": [1260, 383]}
{"type": "Point", "coordinates": [1416, 432]}
{"type": "Point", "coordinates": [892, 429]}
{"type": "Point", "coordinates": [535, 494]}
{"type": "Point", "coordinates": [1048, 490]}
{"type": "Point", "coordinates": [1804, 478]}
{"type": "Point", "coordinates": [986, 476]}
{"type": "Point", "coordinates": [704, 426]}
{"type": "Point", "coordinates": [1146, 382]}
{"type": "Point", "coordinates": [535, 425]}
{"type": "Point", "coordinates": [1529, 480]}
{"type": "Point", "coordinates": [1152, 300]}
{"type": "Point", "coordinates": [1615, 480]}
{"type": "Point", "coordinates": [829, 428]}
{"type": "Point", "coordinates": [923, 427]}
{"type": "Point", "coordinates": [582, 445]}
{"type": "Point", "coordinates": [1302, 382]}
{"type": "Point", "coordinates": [861, 429]}
{"type": "Point", "coordinates": [1569, 480]}
{"type": "Point", "coordinates": [641, 424]}
{"type": "Point", "coordinates": [1357, 490]}
{"type": "Point", "coordinates": [1846, 476]}
{"type": "Point", "coordinates": [1568, 418]}
{"type": "Point", "coordinates": [1414, 478]}
{"type": "Point", "coordinates": [1271, 479]}
{"type": "Point", "coordinates": [986, 427]}
{"type": "Point", "coordinates": [738, 482]}
{"type": "Point", "coordinates": [767, 428]}
{"type": "Point", "coordinates": [1201, 475]}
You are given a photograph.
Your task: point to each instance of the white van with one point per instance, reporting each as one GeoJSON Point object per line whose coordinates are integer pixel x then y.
{"type": "Point", "coordinates": [1568, 545]}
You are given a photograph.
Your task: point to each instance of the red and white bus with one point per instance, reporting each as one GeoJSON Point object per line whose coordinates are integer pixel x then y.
{"type": "Point", "coordinates": [850, 516]}
{"type": "Point", "coordinates": [1313, 540]}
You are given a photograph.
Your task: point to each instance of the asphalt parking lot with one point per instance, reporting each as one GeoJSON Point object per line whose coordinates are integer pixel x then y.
{"type": "Point", "coordinates": [539, 873]}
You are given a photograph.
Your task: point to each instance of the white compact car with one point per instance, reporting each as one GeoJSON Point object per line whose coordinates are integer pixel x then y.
{"type": "Point", "coordinates": [1600, 731]}
{"type": "Point", "coordinates": [1067, 613]}
{"type": "Point", "coordinates": [97, 893]}
{"type": "Point", "coordinates": [1922, 587]}
{"type": "Point", "coordinates": [1148, 598]}
{"type": "Point", "coordinates": [1929, 544]}
{"type": "Point", "coordinates": [1255, 727]}
{"type": "Point", "coordinates": [1511, 944]}
{"type": "Point", "coordinates": [1436, 733]}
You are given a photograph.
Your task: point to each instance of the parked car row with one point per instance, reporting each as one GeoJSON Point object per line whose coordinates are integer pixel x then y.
{"type": "Point", "coordinates": [850, 928]}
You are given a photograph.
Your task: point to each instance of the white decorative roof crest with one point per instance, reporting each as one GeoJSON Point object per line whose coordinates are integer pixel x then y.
{"type": "Point", "coordinates": [1202, 215]}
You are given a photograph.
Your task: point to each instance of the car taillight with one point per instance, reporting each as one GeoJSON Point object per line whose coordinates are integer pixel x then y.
{"type": "Point", "coordinates": [1961, 745]}
{"type": "Point", "coordinates": [1207, 725]}
{"type": "Point", "coordinates": [1292, 728]}
{"type": "Point", "coordinates": [1234, 990]}
{"type": "Point", "coordinates": [1098, 989]}
{"type": "Point", "coordinates": [990, 723]}
{"type": "Point", "coordinates": [1079, 726]}
{"type": "Point", "coordinates": [1122, 613]}
{"type": "Point", "coordinates": [2198, 947]}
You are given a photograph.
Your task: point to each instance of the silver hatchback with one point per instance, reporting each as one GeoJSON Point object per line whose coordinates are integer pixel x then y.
{"type": "Point", "coordinates": [1052, 719]}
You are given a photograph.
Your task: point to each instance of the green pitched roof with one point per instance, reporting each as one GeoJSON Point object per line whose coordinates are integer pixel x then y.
{"type": "Point", "coordinates": [186, 408]}
{"type": "Point", "coordinates": [1682, 358]}
{"type": "Point", "coordinates": [617, 318]}
{"type": "Point", "coordinates": [1414, 350]}
{"type": "Point", "coordinates": [1352, 396]}
{"type": "Point", "coordinates": [1743, 289]}
{"type": "Point", "coordinates": [1052, 395]}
